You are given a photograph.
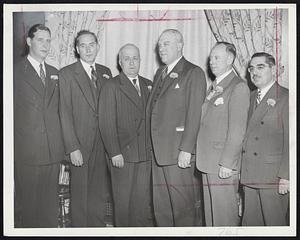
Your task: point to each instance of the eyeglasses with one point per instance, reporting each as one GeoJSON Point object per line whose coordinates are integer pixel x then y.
{"type": "Point", "coordinates": [259, 68]}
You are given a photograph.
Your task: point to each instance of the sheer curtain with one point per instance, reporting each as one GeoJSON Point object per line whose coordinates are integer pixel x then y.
{"type": "Point", "coordinates": [116, 28]}
{"type": "Point", "coordinates": [253, 30]}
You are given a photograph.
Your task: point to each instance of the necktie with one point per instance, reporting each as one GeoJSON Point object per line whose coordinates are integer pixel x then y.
{"type": "Point", "coordinates": [42, 74]}
{"type": "Point", "coordinates": [164, 72]}
{"type": "Point", "coordinates": [94, 76]}
{"type": "Point", "coordinates": [258, 98]}
{"type": "Point", "coordinates": [136, 86]}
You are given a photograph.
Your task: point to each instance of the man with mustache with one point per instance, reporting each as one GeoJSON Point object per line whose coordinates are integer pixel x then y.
{"type": "Point", "coordinates": [265, 163]}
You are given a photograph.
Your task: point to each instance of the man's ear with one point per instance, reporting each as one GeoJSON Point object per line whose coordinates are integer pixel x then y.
{"type": "Point", "coordinates": [230, 59]}
{"type": "Point", "coordinates": [179, 46]}
{"type": "Point", "coordinates": [28, 41]}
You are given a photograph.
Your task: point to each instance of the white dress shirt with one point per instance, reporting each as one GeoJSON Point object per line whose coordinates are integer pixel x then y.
{"type": "Point", "coordinates": [87, 68]}
{"type": "Point", "coordinates": [36, 65]}
{"type": "Point", "coordinates": [264, 90]}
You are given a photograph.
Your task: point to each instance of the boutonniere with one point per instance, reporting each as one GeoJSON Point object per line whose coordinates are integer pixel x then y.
{"type": "Point", "coordinates": [219, 101]}
{"type": "Point", "coordinates": [271, 102]}
{"type": "Point", "coordinates": [174, 75]}
{"type": "Point", "coordinates": [105, 76]}
{"type": "Point", "coordinates": [219, 89]}
{"type": "Point", "coordinates": [149, 87]}
{"type": "Point", "coordinates": [54, 77]}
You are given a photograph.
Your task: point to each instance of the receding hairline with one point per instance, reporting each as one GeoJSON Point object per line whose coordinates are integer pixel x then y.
{"type": "Point", "coordinates": [128, 45]}
{"type": "Point", "coordinates": [174, 32]}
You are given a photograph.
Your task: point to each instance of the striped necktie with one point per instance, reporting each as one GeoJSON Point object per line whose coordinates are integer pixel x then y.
{"type": "Point", "coordinates": [94, 76]}
{"type": "Point", "coordinates": [42, 74]}
{"type": "Point", "coordinates": [136, 86]}
{"type": "Point", "coordinates": [258, 98]}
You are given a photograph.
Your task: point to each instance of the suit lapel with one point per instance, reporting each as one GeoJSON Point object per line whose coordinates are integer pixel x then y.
{"type": "Point", "coordinates": [263, 107]}
{"type": "Point", "coordinates": [129, 90]}
{"type": "Point", "coordinates": [82, 79]}
{"type": "Point", "coordinates": [50, 84]}
{"type": "Point", "coordinates": [33, 79]}
{"type": "Point", "coordinates": [174, 76]}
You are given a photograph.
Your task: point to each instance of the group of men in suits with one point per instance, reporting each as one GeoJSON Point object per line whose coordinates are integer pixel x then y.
{"type": "Point", "coordinates": [149, 143]}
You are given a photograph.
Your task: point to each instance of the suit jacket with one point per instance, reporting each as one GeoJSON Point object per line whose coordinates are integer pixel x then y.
{"type": "Point", "coordinates": [266, 145]}
{"type": "Point", "coordinates": [37, 129]}
{"type": "Point", "coordinates": [78, 107]}
{"type": "Point", "coordinates": [123, 124]}
{"type": "Point", "coordinates": [174, 119]}
{"type": "Point", "coordinates": [223, 126]}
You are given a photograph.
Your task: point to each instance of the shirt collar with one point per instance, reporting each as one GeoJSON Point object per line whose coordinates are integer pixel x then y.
{"type": "Point", "coordinates": [36, 64]}
{"type": "Point", "coordinates": [137, 79]}
{"type": "Point", "coordinates": [264, 90]}
{"type": "Point", "coordinates": [224, 75]}
{"type": "Point", "coordinates": [87, 67]}
{"type": "Point", "coordinates": [173, 64]}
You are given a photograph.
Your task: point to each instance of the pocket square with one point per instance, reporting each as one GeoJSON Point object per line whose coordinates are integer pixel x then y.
{"type": "Point", "coordinates": [177, 85]}
{"type": "Point", "coordinates": [180, 129]}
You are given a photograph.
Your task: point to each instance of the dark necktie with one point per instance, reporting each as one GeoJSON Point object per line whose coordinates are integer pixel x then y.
{"type": "Point", "coordinates": [94, 76]}
{"type": "Point", "coordinates": [42, 74]}
{"type": "Point", "coordinates": [136, 86]}
{"type": "Point", "coordinates": [164, 73]}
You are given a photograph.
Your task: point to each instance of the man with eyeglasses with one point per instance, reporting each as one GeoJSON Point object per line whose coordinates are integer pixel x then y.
{"type": "Point", "coordinates": [80, 84]}
{"type": "Point", "coordinates": [219, 144]}
{"type": "Point", "coordinates": [265, 162]}
{"type": "Point", "coordinates": [123, 100]}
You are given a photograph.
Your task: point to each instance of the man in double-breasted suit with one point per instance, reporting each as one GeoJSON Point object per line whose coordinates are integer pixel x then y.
{"type": "Point", "coordinates": [80, 84]}
{"type": "Point", "coordinates": [219, 143]}
{"type": "Point", "coordinates": [38, 142]}
{"type": "Point", "coordinates": [265, 163]}
{"type": "Point", "coordinates": [123, 100]}
{"type": "Point", "coordinates": [172, 120]}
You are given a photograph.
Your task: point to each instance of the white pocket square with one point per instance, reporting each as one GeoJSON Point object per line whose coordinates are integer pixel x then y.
{"type": "Point", "coordinates": [177, 86]}
{"type": "Point", "coordinates": [180, 129]}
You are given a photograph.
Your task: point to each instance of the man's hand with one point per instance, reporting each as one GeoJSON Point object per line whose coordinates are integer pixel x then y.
{"type": "Point", "coordinates": [284, 186]}
{"type": "Point", "coordinates": [225, 172]}
{"type": "Point", "coordinates": [118, 161]}
{"type": "Point", "coordinates": [76, 158]}
{"type": "Point", "coordinates": [184, 159]}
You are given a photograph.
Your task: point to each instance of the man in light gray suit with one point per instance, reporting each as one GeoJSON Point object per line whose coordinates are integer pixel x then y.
{"type": "Point", "coordinates": [219, 143]}
{"type": "Point", "coordinates": [265, 164]}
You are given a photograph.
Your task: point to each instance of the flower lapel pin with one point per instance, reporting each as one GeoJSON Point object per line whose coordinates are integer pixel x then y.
{"type": "Point", "coordinates": [219, 101]}
{"type": "Point", "coordinates": [174, 75]}
{"type": "Point", "coordinates": [149, 87]}
{"type": "Point", "coordinates": [105, 76]}
{"type": "Point", "coordinates": [271, 102]}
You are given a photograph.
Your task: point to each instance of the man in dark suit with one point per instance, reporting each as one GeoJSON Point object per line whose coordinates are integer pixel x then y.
{"type": "Point", "coordinates": [219, 143]}
{"type": "Point", "coordinates": [80, 84]}
{"type": "Point", "coordinates": [173, 118]}
{"type": "Point", "coordinates": [265, 163]}
{"type": "Point", "coordinates": [37, 133]}
{"type": "Point", "coordinates": [123, 100]}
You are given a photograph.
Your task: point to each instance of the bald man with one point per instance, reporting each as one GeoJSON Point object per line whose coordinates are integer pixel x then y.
{"type": "Point", "coordinates": [173, 116]}
{"type": "Point", "coordinates": [123, 100]}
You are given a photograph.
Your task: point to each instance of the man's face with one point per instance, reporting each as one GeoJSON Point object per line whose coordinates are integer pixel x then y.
{"type": "Point", "coordinates": [87, 48]}
{"type": "Point", "coordinates": [169, 48]}
{"type": "Point", "coordinates": [130, 61]}
{"type": "Point", "coordinates": [260, 72]}
{"type": "Point", "coordinates": [39, 45]}
{"type": "Point", "coordinates": [219, 60]}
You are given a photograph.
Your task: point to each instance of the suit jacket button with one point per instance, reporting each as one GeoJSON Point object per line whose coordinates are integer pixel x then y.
{"type": "Point", "coordinates": [243, 151]}
{"type": "Point", "coordinates": [256, 138]}
{"type": "Point", "coordinates": [255, 154]}
{"type": "Point", "coordinates": [262, 122]}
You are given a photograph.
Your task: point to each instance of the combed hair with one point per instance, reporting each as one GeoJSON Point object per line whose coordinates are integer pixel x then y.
{"type": "Point", "coordinates": [35, 28]}
{"type": "Point", "coordinates": [230, 48]}
{"type": "Point", "coordinates": [270, 60]}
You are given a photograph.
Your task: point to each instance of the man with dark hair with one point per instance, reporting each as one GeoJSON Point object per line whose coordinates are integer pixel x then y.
{"type": "Point", "coordinates": [123, 100]}
{"type": "Point", "coordinates": [80, 85]}
{"type": "Point", "coordinates": [219, 143]}
{"type": "Point", "coordinates": [173, 116]}
{"type": "Point", "coordinates": [265, 162]}
{"type": "Point", "coordinates": [37, 133]}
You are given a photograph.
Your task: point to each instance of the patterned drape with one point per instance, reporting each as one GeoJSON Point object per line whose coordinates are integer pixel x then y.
{"type": "Point", "coordinates": [251, 31]}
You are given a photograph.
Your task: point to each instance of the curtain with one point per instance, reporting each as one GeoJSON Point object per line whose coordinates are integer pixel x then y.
{"type": "Point", "coordinates": [251, 31]}
{"type": "Point", "coordinates": [116, 28]}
